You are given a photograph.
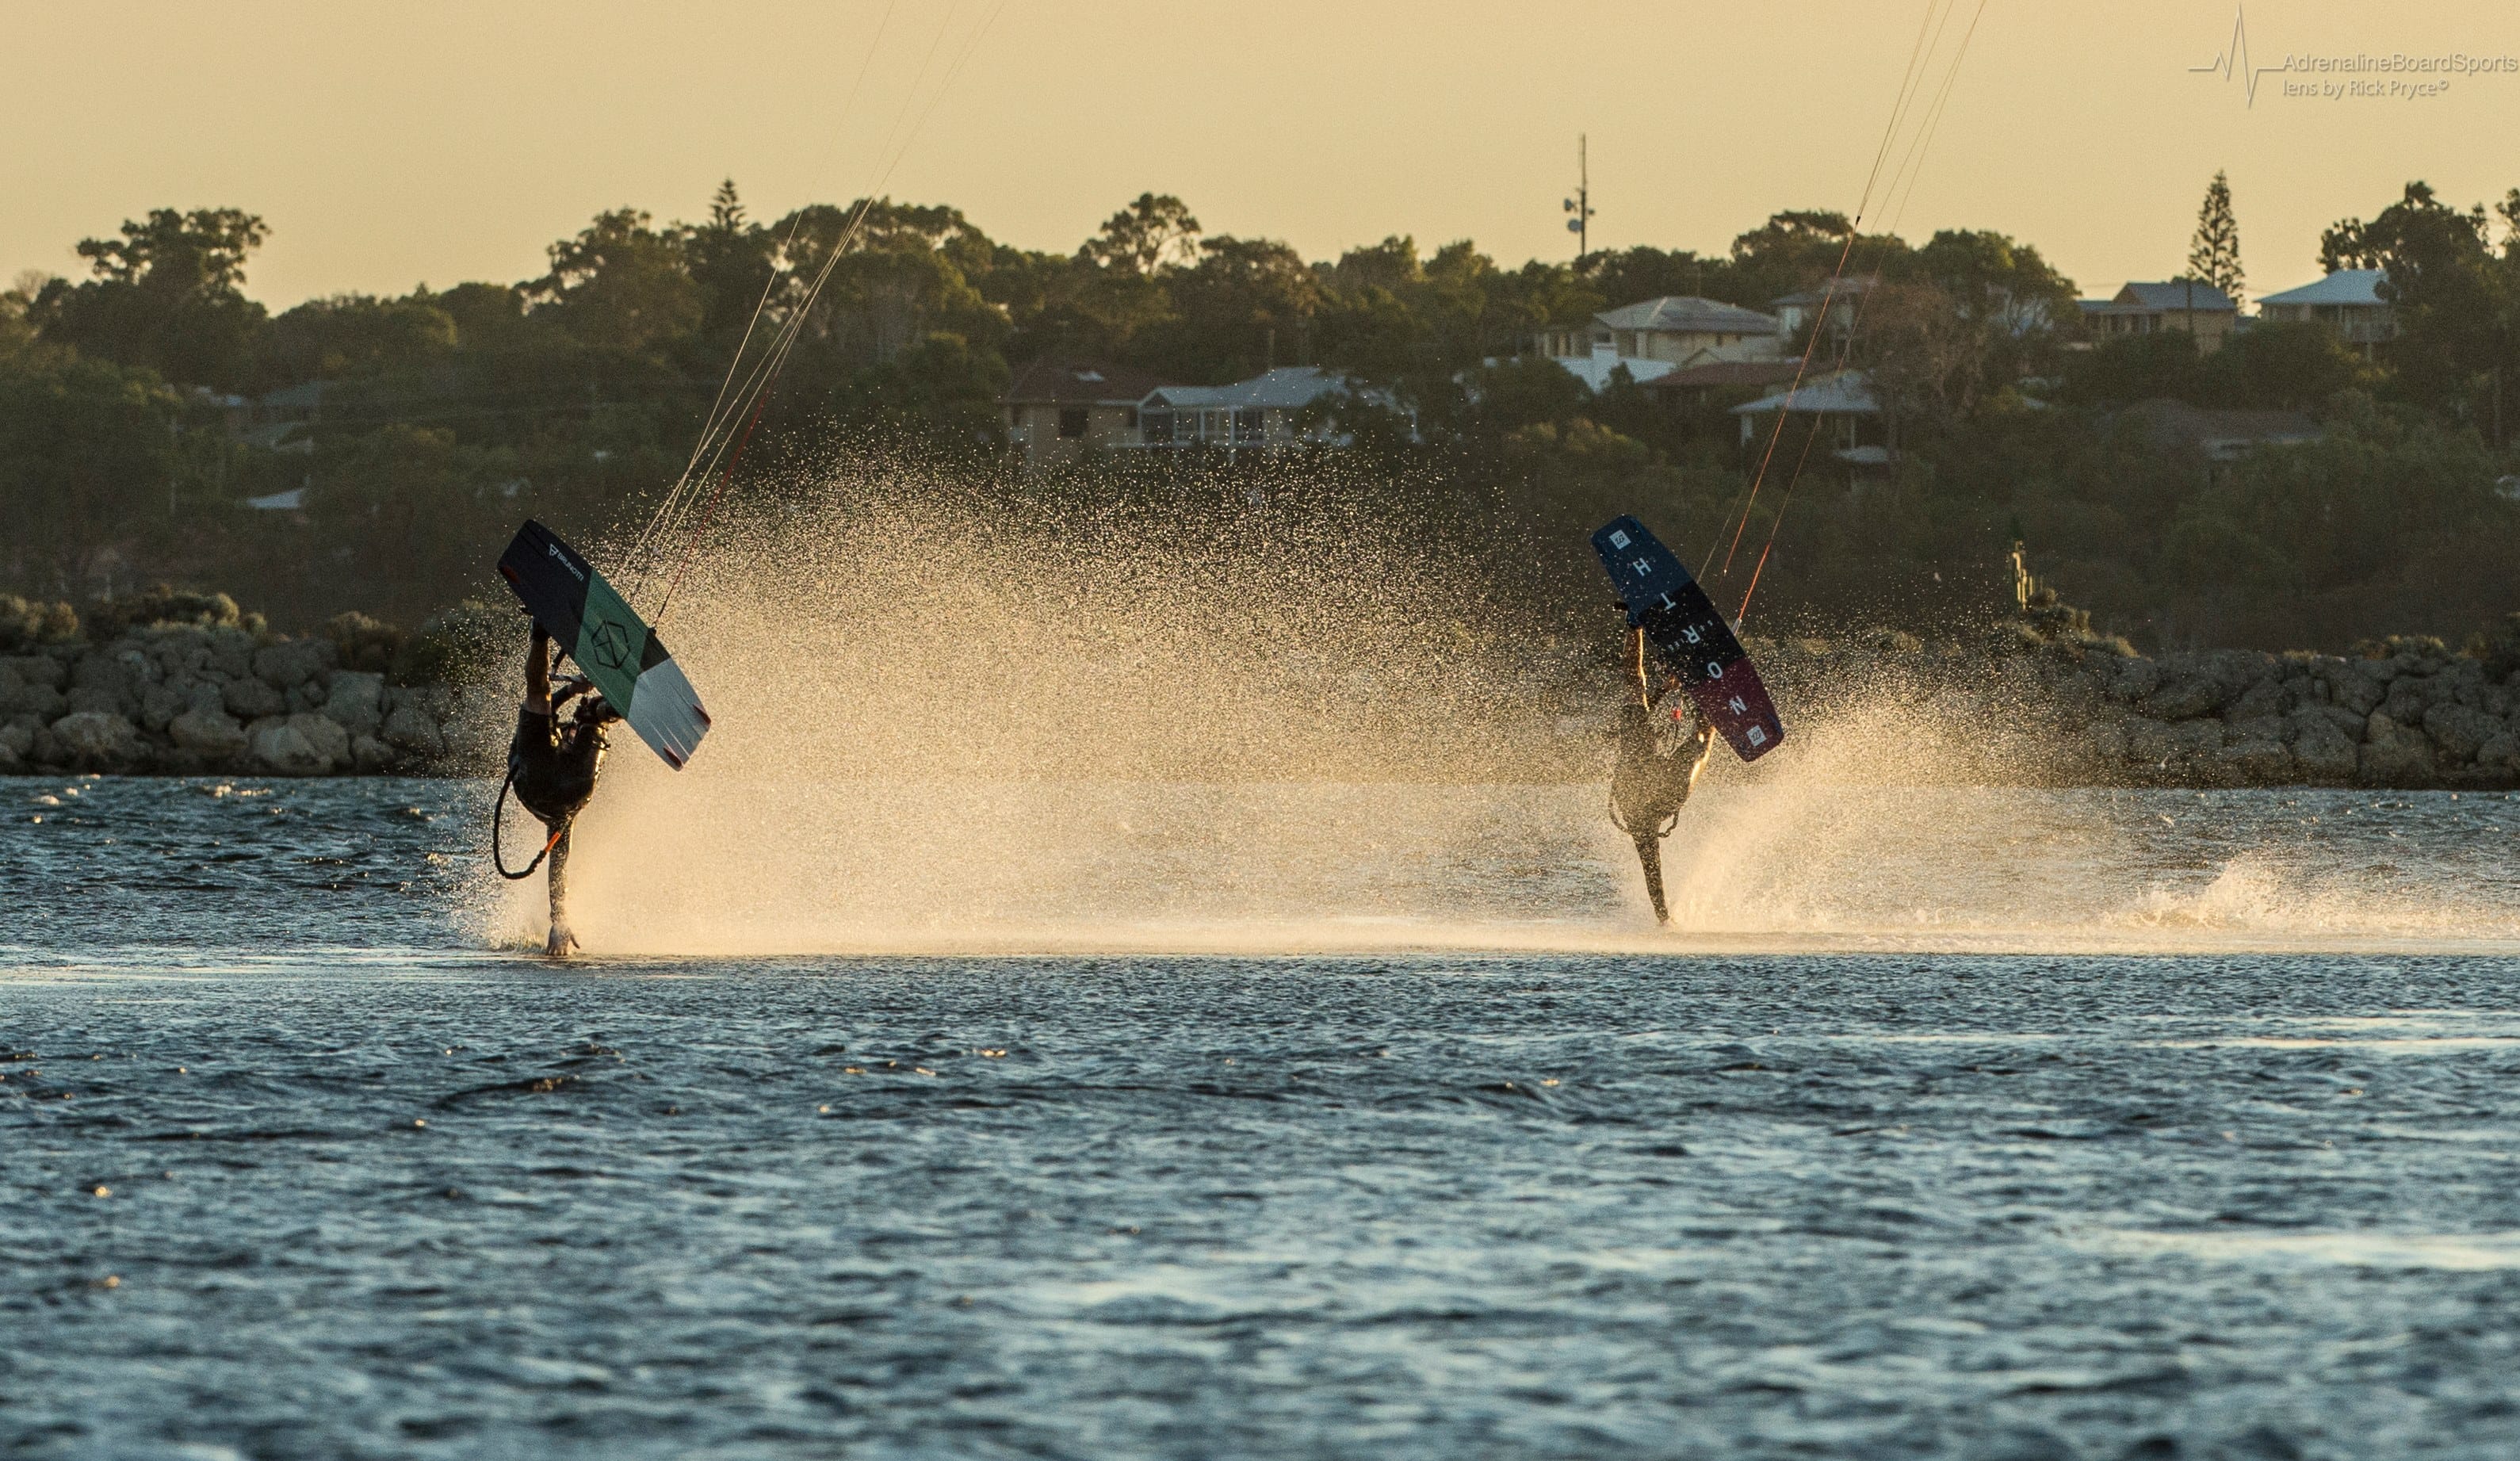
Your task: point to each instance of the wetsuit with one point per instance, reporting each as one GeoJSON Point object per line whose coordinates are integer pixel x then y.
{"type": "Point", "coordinates": [555, 764]}
{"type": "Point", "coordinates": [551, 768]}
{"type": "Point", "coordinates": [1650, 784]}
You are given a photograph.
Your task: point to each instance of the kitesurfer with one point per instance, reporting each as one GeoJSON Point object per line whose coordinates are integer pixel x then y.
{"type": "Point", "coordinates": [1660, 758]}
{"type": "Point", "coordinates": [553, 766]}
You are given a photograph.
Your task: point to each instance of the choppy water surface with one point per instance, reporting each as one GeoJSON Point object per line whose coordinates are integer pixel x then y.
{"type": "Point", "coordinates": [298, 1163]}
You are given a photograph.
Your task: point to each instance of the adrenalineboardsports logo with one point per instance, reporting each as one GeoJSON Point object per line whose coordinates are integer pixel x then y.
{"type": "Point", "coordinates": [2352, 75]}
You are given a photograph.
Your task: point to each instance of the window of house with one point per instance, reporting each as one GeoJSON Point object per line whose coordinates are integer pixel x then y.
{"type": "Point", "coordinates": [1251, 424]}
{"type": "Point", "coordinates": [1156, 427]}
{"type": "Point", "coordinates": [1071, 421]}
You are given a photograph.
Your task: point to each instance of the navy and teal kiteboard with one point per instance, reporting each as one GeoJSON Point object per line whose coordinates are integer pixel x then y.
{"type": "Point", "coordinates": [609, 642]}
{"type": "Point", "coordinates": [1683, 625]}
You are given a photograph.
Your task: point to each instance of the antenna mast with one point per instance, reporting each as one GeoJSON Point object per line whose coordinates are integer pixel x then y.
{"type": "Point", "coordinates": [1580, 204]}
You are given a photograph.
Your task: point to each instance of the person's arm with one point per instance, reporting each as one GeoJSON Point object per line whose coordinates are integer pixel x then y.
{"type": "Point", "coordinates": [538, 673]}
{"type": "Point", "coordinates": [1645, 682]}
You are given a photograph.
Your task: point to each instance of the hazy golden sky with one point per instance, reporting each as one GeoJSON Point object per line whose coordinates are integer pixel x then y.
{"type": "Point", "coordinates": [392, 144]}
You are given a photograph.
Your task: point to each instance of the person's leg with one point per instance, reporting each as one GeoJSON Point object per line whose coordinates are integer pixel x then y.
{"type": "Point", "coordinates": [562, 942]}
{"type": "Point", "coordinates": [538, 673]}
{"type": "Point", "coordinates": [1649, 853]}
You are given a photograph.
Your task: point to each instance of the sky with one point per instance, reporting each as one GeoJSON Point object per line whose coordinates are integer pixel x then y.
{"type": "Point", "coordinates": [394, 146]}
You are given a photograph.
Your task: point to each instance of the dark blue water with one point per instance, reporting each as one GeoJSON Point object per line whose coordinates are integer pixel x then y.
{"type": "Point", "coordinates": [295, 1168]}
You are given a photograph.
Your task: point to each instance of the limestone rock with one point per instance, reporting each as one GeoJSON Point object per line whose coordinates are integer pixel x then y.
{"type": "Point", "coordinates": [33, 698]}
{"type": "Point", "coordinates": [2501, 754]}
{"type": "Point", "coordinates": [160, 703]}
{"type": "Point", "coordinates": [2354, 684]}
{"type": "Point", "coordinates": [329, 739]}
{"type": "Point", "coordinates": [231, 653]}
{"type": "Point", "coordinates": [2185, 694]}
{"type": "Point", "coordinates": [2135, 679]}
{"type": "Point", "coordinates": [2410, 696]}
{"type": "Point", "coordinates": [298, 745]}
{"type": "Point", "coordinates": [2255, 758]}
{"type": "Point", "coordinates": [18, 735]}
{"type": "Point", "coordinates": [213, 734]}
{"type": "Point", "coordinates": [2260, 701]}
{"type": "Point", "coordinates": [2350, 723]}
{"type": "Point", "coordinates": [2395, 754]}
{"type": "Point", "coordinates": [253, 700]}
{"type": "Point", "coordinates": [292, 663]}
{"type": "Point", "coordinates": [369, 754]}
{"type": "Point", "coordinates": [355, 700]}
{"type": "Point", "coordinates": [2460, 732]}
{"type": "Point", "coordinates": [99, 740]}
{"type": "Point", "coordinates": [2321, 750]}
{"type": "Point", "coordinates": [413, 729]}
{"type": "Point", "coordinates": [37, 669]}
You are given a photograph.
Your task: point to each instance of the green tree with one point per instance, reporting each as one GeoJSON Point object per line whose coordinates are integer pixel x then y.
{"type": "Point", "coordinates": [2455, 302]}
{"type": "Point", "coordinates": [2214, 256]}
{"type": "Point", "coordinates": [168, 294]}
{"type": "Point", "coordinates": [1247, 304]}
{"type": "Point", "coordinates": [622, 285]}
{"type": "Point", "coordinates": [1148, 234]}
{"type": "Point", "coordinates": [88, 458]}
{"type": "Point", "coordinates": [733, 262]}
{"type": "Point", "coordinates": [353, 335]}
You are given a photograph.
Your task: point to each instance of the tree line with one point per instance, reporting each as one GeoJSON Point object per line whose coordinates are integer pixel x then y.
{"type": "Point", "coordinates": [138, 409]}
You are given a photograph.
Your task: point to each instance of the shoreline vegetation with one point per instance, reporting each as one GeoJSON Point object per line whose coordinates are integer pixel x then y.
{"type": "Point", "coordinates": [370, 454]}
{"type": "Point", "coordinates": [187, 684]}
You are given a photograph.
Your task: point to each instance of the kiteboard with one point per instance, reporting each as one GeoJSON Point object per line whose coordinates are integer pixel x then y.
{"type": "Point", "coordinates": [1683, 625]}
{"type": "Point", "coordinates": [609, 642]}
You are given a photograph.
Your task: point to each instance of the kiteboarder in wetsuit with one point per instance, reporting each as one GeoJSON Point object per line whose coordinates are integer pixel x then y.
{"type": "Point", "coordinates": [1655, 774]}
{"type": "Point", "coordinates": [552, 768]}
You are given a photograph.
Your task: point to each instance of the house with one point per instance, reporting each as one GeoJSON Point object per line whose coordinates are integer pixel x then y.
{"type": "Point", "coordinates": [1841, 406]}
{"type": "Point", "coordinates": [1264, 413]}
{"type": "Point", "coordinates": [2188, 304]}
{"type": "Point", "coordinates": [1596, 369]}
{"type": "Point", "coordinates": [1701, 385]}
{"type": "Point", "coordinates": [2219, 436]}
{"type": "Point", "coordinates": [2347, 302]}
{"type": "Point", "coordinates": [285, 420]}
{"type": "Point", "coordinates": [1057, 409]}
{"type": "Point", "coordinates": [1677, 329]}
{"type": "Point", "coordinates": [1802, 306]}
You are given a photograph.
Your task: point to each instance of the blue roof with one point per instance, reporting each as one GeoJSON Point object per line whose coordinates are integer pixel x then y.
{"type": "Point", "coordinates": [2344, 287]}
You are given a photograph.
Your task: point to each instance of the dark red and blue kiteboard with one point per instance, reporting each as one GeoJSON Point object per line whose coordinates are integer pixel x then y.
{"type": "Point", "coordinates": [1684, 627]}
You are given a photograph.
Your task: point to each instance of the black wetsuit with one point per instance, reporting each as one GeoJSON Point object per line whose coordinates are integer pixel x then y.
{"type": "Point", "coordinates": [555, 765]}
{"type": "Point", "coordinates": [1648, 786]}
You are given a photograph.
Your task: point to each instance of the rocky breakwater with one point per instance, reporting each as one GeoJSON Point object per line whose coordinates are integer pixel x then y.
{"type": "Point", "coordinates": [2047, 701]}
{"type": "Point", "coordinates": [226, 699]}
{"type": "Point", "coordinates": [2413, 715]}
